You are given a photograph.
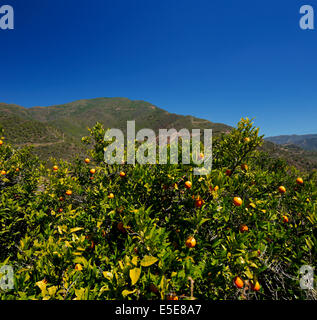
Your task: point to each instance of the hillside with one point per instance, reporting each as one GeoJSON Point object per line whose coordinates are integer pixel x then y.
{"type": "Point", "coordinates": [293, 155]}
{"type": "Point", "coordinates": [307, 141]}
{"type": "Point", "coordinates": [57, 130]}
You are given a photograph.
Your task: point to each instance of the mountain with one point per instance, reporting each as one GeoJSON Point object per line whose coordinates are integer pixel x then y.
{"type": "Point", "coordinates": [302, 159]}
{"type": "Point", "coordinates": [56, 130]}
{"type": "Point", "coordinates": [307, 141]}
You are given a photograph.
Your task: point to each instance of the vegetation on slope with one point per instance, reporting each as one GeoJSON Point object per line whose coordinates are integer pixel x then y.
{"type": "Point", "coordinates": [88, 230]}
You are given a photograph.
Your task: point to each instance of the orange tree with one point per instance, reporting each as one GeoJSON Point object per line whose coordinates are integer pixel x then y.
{"type": "Point", "coordinates": [88, 230]}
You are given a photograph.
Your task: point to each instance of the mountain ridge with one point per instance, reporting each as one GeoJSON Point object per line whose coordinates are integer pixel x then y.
{"type": "Point", "coordinates": [56, 131]}
{"type": "Point", "coordinates": [305, 141]}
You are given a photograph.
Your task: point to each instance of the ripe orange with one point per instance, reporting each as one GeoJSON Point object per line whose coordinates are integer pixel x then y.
{"type": "Point", "coordinates": [122, 174]}
{"type": "Point", "coordinates": [78, 267]}
{"type": "Point", "coordinates": [17, 169]}
{"type": "Point", "coordinates": [1, 142]}
{"type": "Point", "coordinates": [55, 168]}
{"type": "Point", "coordinates": [121, 227]}
{"type": "Point", "coordinates": [87, 160]}
{"type": "Point", "coordinates": [299, 181]}
{"type": "Point", "coordinates": [244, 228]}
{"type": "Point", "coordinates": [111, 196]}
{"type": "Point", "coordinates": [285, 219]}
{"type": "Point", "coordinates": [69, 192]}
{"type": "Point", "coordinates": [237, 201]}
{"type": "Point", "coordinates": [238, 282]}
{"type": "Point", "coordinates": [188, 184]}
{"type": "Point", "coordinates": [244, 167]}
{"type": "Point", "coordinates": [199, 202]}
{"type": "Point", "coordinates": [190, 242]}
{"type": "Point", "coordinates": [92, 171]}
{"type": "Point", "coordinates": [3, 172]}
{"type": "Point", "coordinates": [246, 139]}
{"type": "Point", "coordinates": [228, 172]}
{"type": "Point", "coordinates": [282, 189]}
{"type": "Point", "coordinates": [172, 297]}
{"type": "Point", "coordinates": [256, 286]}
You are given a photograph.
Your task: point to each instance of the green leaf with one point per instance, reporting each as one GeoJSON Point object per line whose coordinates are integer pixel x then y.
{"type": "Point", "coordinates": [135, 275]}
{"type": "Point", "coordinates": [148, 261]}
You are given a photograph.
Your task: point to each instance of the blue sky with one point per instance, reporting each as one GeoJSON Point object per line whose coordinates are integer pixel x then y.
{"type": "Point", "coordinates": [219, 60]}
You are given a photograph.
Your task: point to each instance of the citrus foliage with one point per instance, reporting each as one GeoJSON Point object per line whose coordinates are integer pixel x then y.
{"type": "Point", "coordinates": [157, 231]}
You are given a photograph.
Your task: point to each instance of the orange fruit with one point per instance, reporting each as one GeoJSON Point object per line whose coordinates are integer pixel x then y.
{"type": "Point", "coordinates": [92, 171]}
{"type": "Point", "coordinates": [1, 142]}
{"type": "Point", "coordinates": [3, 172]}
{"type": "Point", "coordinates": [255, 286]}
{"type": "Point", "coordinates": [228, 172]}
{"type": "Point", "coordinates": [55, 168]}
{"type": "Point", "coordinates": [17, 169]}
{"type": "Point", "coordinates": [282, 189]}
{"type": "Point", "coordinates": [199, 202]}
{"type": "Point", "coordinates": [69, 192]}
{"type": "Point", "coordinates": [190, 242]}
{"type": "Point", "coordinates": [172, 297]}
{"type": "Point", "coordinates": [122, 174]}
{"type": "Point", "coordinates": [238, 282]}
{"type": "Point", "coordinates": [111, 196]}
{"type": "Point", "coordinates": [237, 201]}
{"type": "Point", "coordinates": [188, 184]}
{"type": "Point", "coordinates": [244, 228]}
{"type": "Point", "coordinates": [299, 181]}
{"type": "Point", "coordinates": [246, 139]}
{"type": "Point", "coordinates": [285, 219]}
{"type": "Point", "coordinates": [78, 267]}
{"type": "Point", "coordinates": [87, 160]}
{"type": "Point", "coordinates": [121, 227]}
{"type": "Point", "coordinates": [244, 167]}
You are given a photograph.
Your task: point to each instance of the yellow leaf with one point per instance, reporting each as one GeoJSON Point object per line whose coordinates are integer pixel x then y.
{"type": "Point", "coordinates": [108, 275]}
{"type": "Point", "coordinates": [75, 229]}
{"type": "Point", "coordinates": [135, 260]}
{"type": "Point", "coordinates": [52, 290]}
{"type": "Point", "coordinates": [121, 264]}
{"type": "Point", "coordinates": [127, 292]}
{"type": "Point", "coordinates": [68, 245]}
{"type": "Point", "coordinates": [42, 285]}
{"type": "Point", "coordinates": [99, 223]}
{"type": "Point", "coordinates": [148, 261]}
{"type": "Point", "coordinates": [135, 275]}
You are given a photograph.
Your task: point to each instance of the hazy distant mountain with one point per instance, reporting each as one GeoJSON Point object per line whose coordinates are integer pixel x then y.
{"type": "Point", "coordinates": [307, 141]}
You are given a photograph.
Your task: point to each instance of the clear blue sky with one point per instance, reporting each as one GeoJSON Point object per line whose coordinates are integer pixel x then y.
{"type": "Point", "coordinates": [219, 60]}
